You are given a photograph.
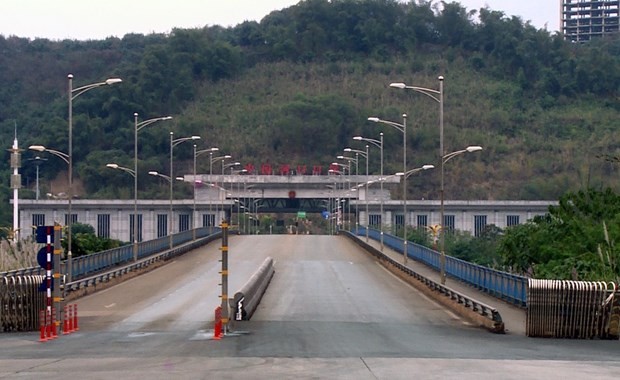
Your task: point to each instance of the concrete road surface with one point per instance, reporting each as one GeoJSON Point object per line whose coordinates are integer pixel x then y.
{"type": "Point", "coordinates": [330, 312]}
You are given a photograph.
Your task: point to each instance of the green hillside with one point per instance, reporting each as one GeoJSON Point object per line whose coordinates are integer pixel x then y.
{"type": "Point", "coordinates": [296, 87]}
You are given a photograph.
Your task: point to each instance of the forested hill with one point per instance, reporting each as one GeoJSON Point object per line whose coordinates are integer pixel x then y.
{"type": "Point", "coordinates": [296, 87]}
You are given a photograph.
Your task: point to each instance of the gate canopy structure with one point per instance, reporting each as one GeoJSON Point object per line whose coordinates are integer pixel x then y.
{"type": "Point", "coordinates": [288, 193]}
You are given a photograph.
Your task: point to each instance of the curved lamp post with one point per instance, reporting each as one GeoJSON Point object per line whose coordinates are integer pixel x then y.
{"type": "Point", "coordinates": [135, 207]}
{"type": "Point", "coordinates": [403, 128]}
{"type": "Point", "coordinates": [174, 142]}
{"type": "Point", "coordinates": [72, 94]}
{"type": "Point", "coordinates": [379, 144]}
{"type": "Point", "coordinates": [213, 160]}
{"type": "Point", "coordinates": [355, 188]}
{"type": "Point", "coordinates": [366, 156]}
{"type": "Point", "coordinates": [196, 154]}
{"type": "Point", "coordinates": [442, 242]}
{"type": "Point", "coordinates": [406, 175]}
{"type": "Point", "coordinates": [137, 127]}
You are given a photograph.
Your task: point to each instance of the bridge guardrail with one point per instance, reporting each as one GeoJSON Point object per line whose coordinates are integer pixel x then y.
{"type": "Point", "coordinates": [488, 315]}
{"type": "Point", "coordinates": [506, 286]}
{"type": "Point", "coordinates": [86, 265]}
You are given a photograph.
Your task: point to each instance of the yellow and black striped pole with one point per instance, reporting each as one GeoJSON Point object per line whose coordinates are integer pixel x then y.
{"type": "Point", "coordinates": [224, 273]}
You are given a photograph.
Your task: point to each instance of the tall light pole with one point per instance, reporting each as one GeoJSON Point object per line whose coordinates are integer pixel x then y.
{"type": "Point", "coordinates": [174, 142]}
{"type": "Point", "coordinates": [436, 95]}
{"type": "Point", "coordinates": [213, 160]}
{"type": "Point", "coordinates": [224, 167]}
{"type": "Point", "coordinates": [379, 144]}
{"type": "Point", "coordinates": [137, 128]}
{"type": "Point", "coordinates": [196, 154]}
{"type": "Point", "coordinates": [356, 189]}
{"type": "Point", "coordinates": [406, 175]}
{"type": "Point", "coordinates": [444, 159]}
{"type": "Point", "coordinates": [366, 156]}
{"type": "Point", "coordinates": [135, 207]}
{"type": "Point", "coordinates": [403, 128]}
{"type": "Point", "coordinates": [72, 94]}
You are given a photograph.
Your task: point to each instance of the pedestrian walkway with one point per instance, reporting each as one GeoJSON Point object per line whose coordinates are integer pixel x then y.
{"type": "Point", "coordinates": [512, 316]}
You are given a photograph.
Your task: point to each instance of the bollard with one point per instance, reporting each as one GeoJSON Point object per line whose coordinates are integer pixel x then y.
{"type": "Point", "coordinates": [42, 336]}
{"type": "Point", "coordinates": [53, 331]}
{"type": "Point", "coordinates": [75, 318]}
{"type": "Point", "coordinates": [65, 323]}
{"type": "Point", "coordinates": [217, 330]}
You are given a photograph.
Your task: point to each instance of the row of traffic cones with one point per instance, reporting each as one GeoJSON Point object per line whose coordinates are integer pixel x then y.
{"type": "Point", "coordinates": [48, 326]}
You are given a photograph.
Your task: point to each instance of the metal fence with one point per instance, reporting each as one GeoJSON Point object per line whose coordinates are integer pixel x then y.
{"type": "Point", "coordinates": [20, 303]}
{"type": "Point", "coordinates": [572, 309]}
{"type": "Point", "coordinates": [509, 287]}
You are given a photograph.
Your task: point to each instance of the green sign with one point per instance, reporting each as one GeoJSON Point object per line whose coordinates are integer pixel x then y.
{"type": "Point", "coordinates": [301, 214]}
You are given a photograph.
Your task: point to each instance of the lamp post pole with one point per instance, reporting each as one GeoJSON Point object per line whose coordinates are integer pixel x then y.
{"type": "Point", "coordinates": [135, 206]}
{"type": "Point", "coordinates": [356, 188]}
{"type": "Point", "coordinates": [72, 94]}
{"type": "Point", "coordinates": [174, 142]}
{"type": "Point", "coordinates": [137, 128]}
{"type": "Point", "coordinates": [379, 144]}
{"type": "Point", "coordinates": [436, 95]}
{"type": "Point", "coordinates": [403, 128]}
{"type": "Point", "coordinates": [196, 154]}
{"type": "Point", "coordinates": [442, 242]}
{"type": "Point", "coordinates": [365, 155]}
{"type": "Point", "coordinates": [212, 160]}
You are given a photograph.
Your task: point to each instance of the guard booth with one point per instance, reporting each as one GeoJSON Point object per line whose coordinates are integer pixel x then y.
{"type": "Point", "coordinates": [573, 309]}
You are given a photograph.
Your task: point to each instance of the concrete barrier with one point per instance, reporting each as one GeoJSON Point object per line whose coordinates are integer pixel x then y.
{"type": "Point", "coordinates": [246, 300]}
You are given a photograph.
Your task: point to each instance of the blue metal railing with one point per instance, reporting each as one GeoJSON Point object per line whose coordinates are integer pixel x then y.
{"type": "Point", "coordinates": [509, 287]}
{"type": "Point", "coordinates": [86, 265]}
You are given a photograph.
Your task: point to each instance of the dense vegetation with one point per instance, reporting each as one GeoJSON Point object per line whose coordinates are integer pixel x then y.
{"type": "Point", "coordinates": [545, 110]}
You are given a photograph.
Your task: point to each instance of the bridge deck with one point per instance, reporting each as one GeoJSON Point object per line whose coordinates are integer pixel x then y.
{"type": "Point", "coordinates": [512, 316]}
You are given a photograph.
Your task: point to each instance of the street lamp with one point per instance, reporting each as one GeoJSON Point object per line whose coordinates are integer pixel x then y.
{"type": "Point", "coordinates": [348, 194]}
{"type": "Point", "coordinates": [406, 175]}
{"type": "Point", "coordinates": [174, 142]}
{"type": "Point", "coordinates": [137, 128]}
{"type": "Point", "coordinates": [341, 173]}
{"type": "Point", "coordinates": [135, 207]}
{"type": "Point", "coordinates": [65, 157]}
{"type": "Point", "coordinates": [366, 156]}
{"type": "Point", "coordinates": [72, 94]}
{"type": "Point", "coordinates": [224, 167]}
{"type": "Point", "coordinates": [213, 160]}
{"type": "Point", "coordinates": [196, 154]}
{"type": "Point", "coordinates": [436, 95]}
{"type": "Point", "coordinates": [403, 128]}
{"type": "Point", "coordinates": [442, 242]}
{"type": "Point", "coordinates": [379, 144]}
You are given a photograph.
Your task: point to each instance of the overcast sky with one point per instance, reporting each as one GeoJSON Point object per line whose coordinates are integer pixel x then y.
{"type": "Point", "coordinates": [98, 19]}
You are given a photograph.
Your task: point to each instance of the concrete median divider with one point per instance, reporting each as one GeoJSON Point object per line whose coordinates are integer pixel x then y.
{"type": "Point", "coordinates": [246, 300]}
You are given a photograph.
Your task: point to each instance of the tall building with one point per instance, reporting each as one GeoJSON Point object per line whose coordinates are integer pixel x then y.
{"type": "Point", "coordinates": [583, 20]}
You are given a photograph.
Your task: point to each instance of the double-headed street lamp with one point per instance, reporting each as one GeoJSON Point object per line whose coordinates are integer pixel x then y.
{"type": "Point", "coordinates": [406, 175]}
{"type": "Point", "coordinates": [196, 154]}
{"type": "Point", "coordinates": [379, 144]}
{"type": "Point", "coordinates": [72, 94]}
{"type": "Point", "coordinates": [169, 179]}
{"type": "Point", "coordinates": [367, 157]}
{"type": "Point", "coordinates": [137, 127]}
{"type": "Point", "coordinates": [135, 207]}
{"type": "Point", "coordinates": [436, 95]}
{"type": "Point", "coordinates": [213, 160]}
{"type": "Point", "coordinates": [444, 159]}
{"type": "Point", "coordinates": [355, 188]}
{"type": "Point", "coordinates": [174, 142]}
{"type": "Point", "coordinates": [403, 128]}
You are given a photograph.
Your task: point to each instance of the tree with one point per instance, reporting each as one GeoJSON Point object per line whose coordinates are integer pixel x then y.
{"type": "Point", "coordinates": [575, 240]}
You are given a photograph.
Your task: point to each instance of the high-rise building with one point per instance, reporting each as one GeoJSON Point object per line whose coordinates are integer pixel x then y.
{"type": "Point", "coordinates": [583, 20]}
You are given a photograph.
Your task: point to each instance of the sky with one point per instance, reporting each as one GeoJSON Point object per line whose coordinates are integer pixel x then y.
{"type": "Point", "coordinates": [99, 19]}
